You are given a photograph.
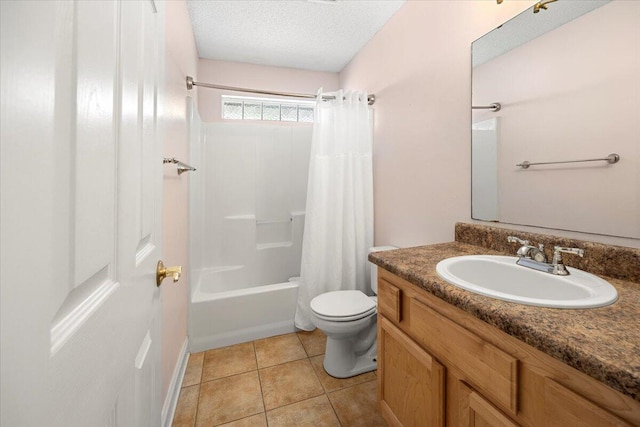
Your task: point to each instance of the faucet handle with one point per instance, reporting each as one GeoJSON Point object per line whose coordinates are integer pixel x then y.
{"type": "Point", "coordinates": [576, 251]}
{"type": "Point", "coordinates": [558, 267]}
{"type": "Point", "coordinates": [514, 239]}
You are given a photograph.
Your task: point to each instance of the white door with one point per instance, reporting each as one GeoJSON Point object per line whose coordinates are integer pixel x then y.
{"type": "Point", "coordinates": [80, 213]}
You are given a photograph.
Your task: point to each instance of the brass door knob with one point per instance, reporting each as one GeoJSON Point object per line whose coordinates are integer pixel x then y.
{"type": "Point", "coordinates": [162, 272]}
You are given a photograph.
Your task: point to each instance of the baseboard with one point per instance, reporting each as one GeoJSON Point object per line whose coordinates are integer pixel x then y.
{"type": "Point", "coordinates": [171, 401]}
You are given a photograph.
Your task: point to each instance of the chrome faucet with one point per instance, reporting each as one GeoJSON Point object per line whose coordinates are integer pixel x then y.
{"type": "Point", "coordinates": [532, 257]}
{"type": "Point", "coordinates": [527, 251]}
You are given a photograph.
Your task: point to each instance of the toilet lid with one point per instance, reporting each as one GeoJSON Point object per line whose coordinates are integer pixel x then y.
{"type": "Point", "coordinates": [343, 304]}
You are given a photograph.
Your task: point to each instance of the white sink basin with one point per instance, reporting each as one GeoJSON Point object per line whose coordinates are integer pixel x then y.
{"type": "Point", "coordinates": [500, 277]}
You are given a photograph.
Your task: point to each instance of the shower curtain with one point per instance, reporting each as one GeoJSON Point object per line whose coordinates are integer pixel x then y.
{"type": "Point", "coordinates": [338, 229]}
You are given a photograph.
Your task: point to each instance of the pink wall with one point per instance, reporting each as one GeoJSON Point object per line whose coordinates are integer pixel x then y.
{"type": "Point", "coordinates": [181, 59]}
{"type": "Point", "coordinates": [254, 77]}
{"type": "Point", "coordinates": [419, 67]}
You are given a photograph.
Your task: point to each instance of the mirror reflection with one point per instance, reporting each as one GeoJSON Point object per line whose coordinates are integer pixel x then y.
{"type": "Point", "coordinates": [566, 79]}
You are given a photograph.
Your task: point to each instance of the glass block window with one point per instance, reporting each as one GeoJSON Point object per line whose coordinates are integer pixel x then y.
{"type": "Point", "coordinates": [305, 114]}
{"type": "Point", "coordinates": [270, 111]}
{"type": "Point", "coordinates": [289, 113]}
{"type": "Point", "coordinates": [232, 110]}
{"type": "Point", "coordinates": [252, 111]}
{"type": "Point", "coordinates": [248, 108]}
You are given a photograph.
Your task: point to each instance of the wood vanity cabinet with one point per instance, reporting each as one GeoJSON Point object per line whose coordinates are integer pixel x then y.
{"type": "Point", "coordinates": [438, 365]}
{"type": "Point", "coordinates": [412, 393]}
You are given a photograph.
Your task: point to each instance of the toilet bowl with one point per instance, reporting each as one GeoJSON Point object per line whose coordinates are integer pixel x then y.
{"type": "Point", "coordinates": [349, 320]}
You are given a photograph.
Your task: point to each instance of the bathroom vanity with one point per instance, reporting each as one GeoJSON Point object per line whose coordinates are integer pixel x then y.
{"type": "Point", "coordinates": [450, 357]}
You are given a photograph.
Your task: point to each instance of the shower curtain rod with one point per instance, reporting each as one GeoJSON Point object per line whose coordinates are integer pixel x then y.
{"type": "Point", "coordinates": [191, 83]}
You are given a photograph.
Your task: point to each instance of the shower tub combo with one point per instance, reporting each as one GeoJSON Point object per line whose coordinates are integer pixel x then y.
{"type": "Point", "coordinates": [247, 220]}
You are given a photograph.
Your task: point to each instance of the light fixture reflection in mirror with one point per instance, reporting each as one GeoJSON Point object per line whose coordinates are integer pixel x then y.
{"type": "Point", "coordinates": [553, 73]}
{"type": "Point", "coordinates": [542, 5]}
{"type": "Point", "coordinates": [538, 6]}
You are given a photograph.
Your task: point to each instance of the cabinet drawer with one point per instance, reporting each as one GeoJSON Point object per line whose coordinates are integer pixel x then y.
{"type": "Point", "coordinates": [475, 411]}
{"type": "Point", "coordinates": [487, 368]}
{"type": "Point", "coordinates": [563, 407]}
{"type": "Point", "coordinates": [389, 300]}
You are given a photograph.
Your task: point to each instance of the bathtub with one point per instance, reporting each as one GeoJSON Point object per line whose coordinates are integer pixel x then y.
{"type": "Point", "coordinates": [224, 311]}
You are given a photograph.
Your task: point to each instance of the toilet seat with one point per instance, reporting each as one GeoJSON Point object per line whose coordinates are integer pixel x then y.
{"type": "Point", "coordinates": [343, 306]}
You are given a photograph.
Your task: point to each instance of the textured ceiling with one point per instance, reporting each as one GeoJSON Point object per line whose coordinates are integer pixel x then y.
{"type": "Point", "coordinates": [316, 35]}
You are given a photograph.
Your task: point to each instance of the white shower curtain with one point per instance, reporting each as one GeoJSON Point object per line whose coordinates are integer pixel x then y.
{"type": "Point", "coordinates": [338, 229]}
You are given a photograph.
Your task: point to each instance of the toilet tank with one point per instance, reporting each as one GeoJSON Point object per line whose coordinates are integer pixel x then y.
{"type": "Point", "coordinates": [374, 268]}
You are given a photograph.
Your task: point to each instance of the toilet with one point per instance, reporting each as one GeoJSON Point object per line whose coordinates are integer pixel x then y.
{"type": "Point", "coordinates": [349, 320]}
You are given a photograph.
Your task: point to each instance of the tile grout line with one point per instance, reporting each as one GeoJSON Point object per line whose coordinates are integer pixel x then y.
{"type": "Point", "coordinates": [255, 356]}
{"type": "Point", "coordinates": [302, 344]}
{"type": "Point", "coordinates": [204, 356]}
{"type": "Point", "coordinates": [195, 419]}
{"type": "Point", "coordinates": [334, 409]}
{"type": "Point", "coordinates": [326, 392]}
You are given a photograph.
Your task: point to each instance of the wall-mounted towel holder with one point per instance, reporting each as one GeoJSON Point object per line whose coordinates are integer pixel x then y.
{"type": "Point", "coordinates": [611, 159]}
{"type": "Point", "coordinates": [496, 106]}
{"type": "Point", "coordinates": [182, 167]}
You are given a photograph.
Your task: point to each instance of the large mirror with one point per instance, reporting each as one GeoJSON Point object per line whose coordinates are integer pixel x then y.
{"type": "Point", "coordinates": [568, 83]}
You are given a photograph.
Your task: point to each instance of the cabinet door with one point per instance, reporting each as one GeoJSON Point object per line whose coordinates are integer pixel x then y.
{"type": "Point", "coordinates": [475, 411]}
{"type": "Point", "coordinates": [410, 381]}
{"type": "Point", "coordinates": [563, 407]}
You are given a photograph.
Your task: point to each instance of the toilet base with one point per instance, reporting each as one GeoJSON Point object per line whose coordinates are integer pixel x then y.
{"type": "Point", "coordinates": [344, 364]}
{"type": "Point", "coordinates": [351, 346]}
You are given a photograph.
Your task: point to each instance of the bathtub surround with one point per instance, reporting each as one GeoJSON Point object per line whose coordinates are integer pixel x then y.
{"type": "Point", "coordinates": [253, 193]}
{"type": "Point", "coordinates": [603, 343]}
{"type": "Point", "coordinates": [247, 220]}
{"type": "Point", "coordinates": [339, 224]}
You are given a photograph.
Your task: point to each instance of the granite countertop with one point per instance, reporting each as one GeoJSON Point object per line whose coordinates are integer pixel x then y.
{"type": "Point", "coordinates": [604, 343]}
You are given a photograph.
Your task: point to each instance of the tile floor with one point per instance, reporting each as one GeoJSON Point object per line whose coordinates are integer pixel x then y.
{"type": "Point", "coordinates": [277, 381]}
